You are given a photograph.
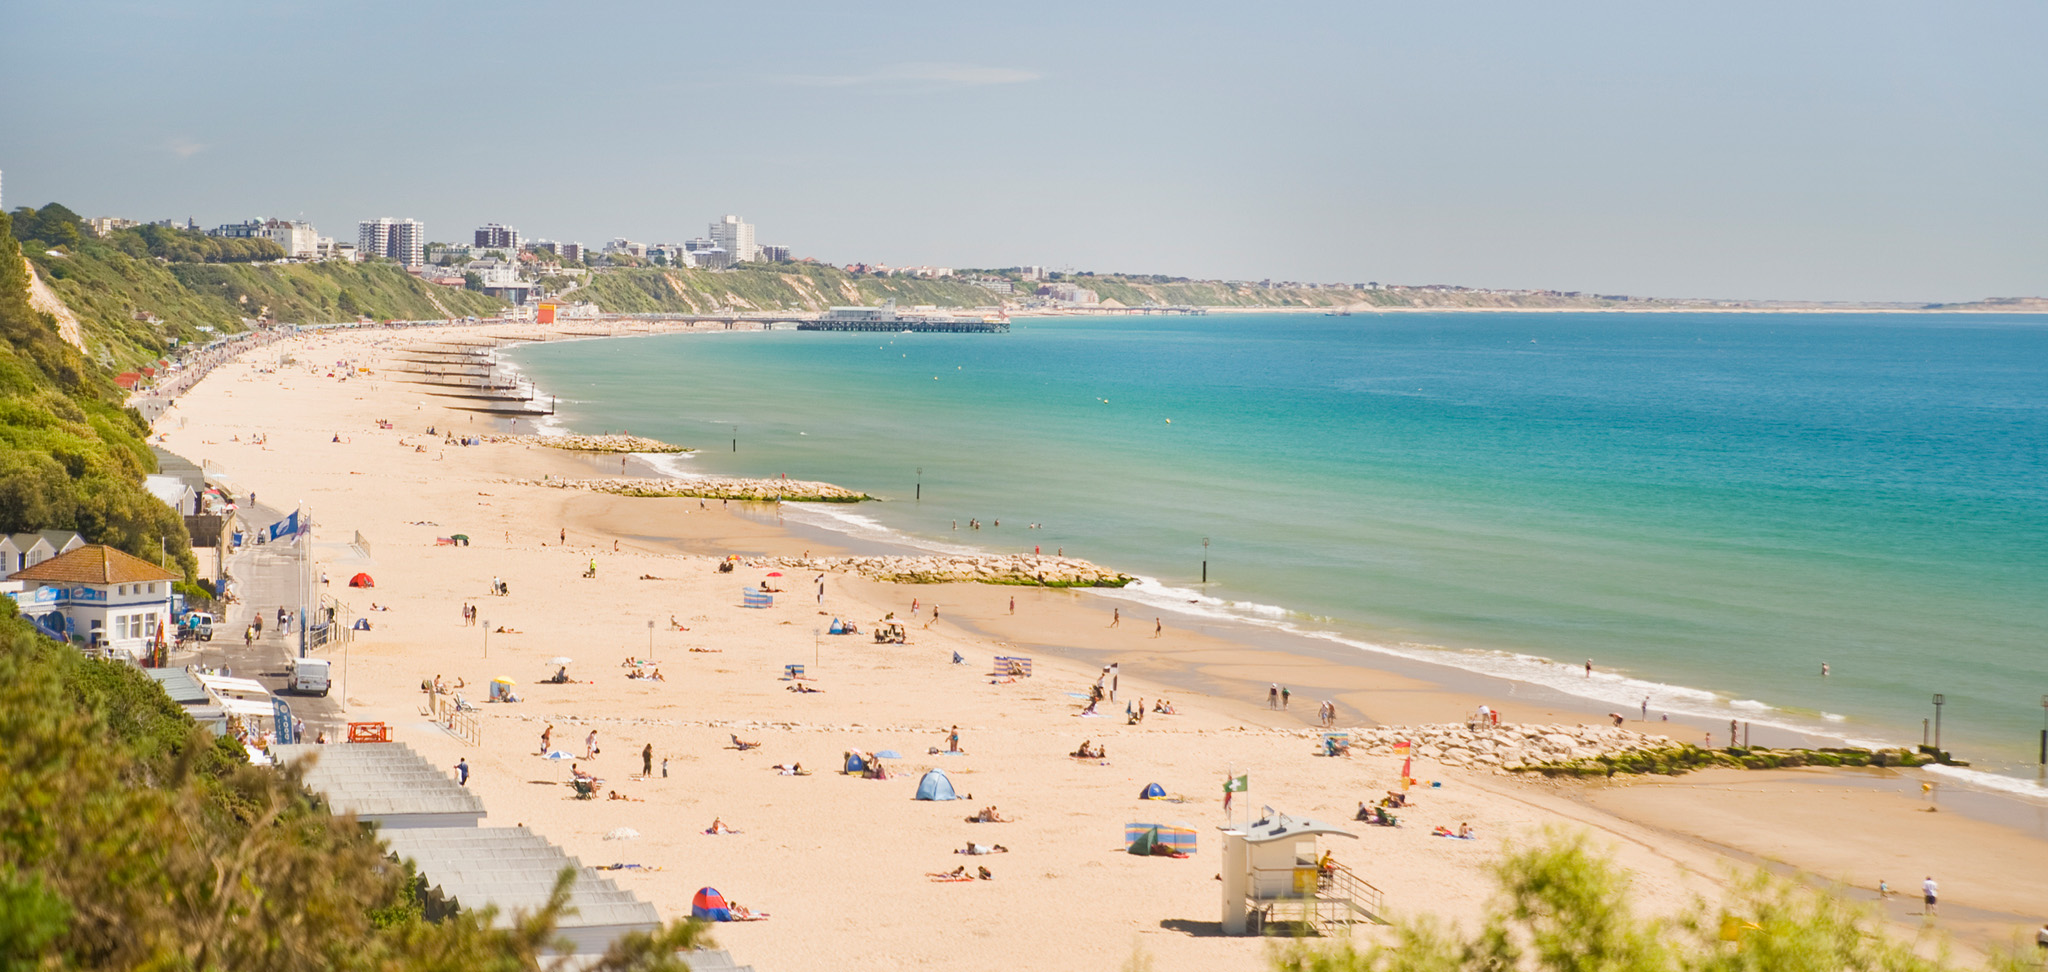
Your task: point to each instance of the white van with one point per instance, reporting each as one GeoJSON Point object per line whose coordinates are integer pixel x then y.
{"type": "Point", "coordinates": [311, 676]}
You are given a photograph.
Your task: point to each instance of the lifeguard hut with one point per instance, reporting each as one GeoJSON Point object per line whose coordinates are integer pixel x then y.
{"type": "Point", "coordinates": [1270, 875]}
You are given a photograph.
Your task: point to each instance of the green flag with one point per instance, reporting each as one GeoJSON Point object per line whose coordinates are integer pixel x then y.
{"type": "Point", "coordinates": [1237, 784]}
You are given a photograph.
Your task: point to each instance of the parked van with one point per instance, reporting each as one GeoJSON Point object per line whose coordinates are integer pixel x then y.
{"type": "Point", "coordinates": [197, 626]}
{"type": "Point", "coordinates": [311, 676]}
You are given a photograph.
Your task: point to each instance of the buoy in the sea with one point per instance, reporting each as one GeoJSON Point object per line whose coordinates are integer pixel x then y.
{"type": "Point", "coordinates": [1169, 421]}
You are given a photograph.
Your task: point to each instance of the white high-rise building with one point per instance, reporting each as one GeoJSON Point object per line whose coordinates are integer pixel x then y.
{"type": "Point", "coordinates": [735, 237]}
{"type": "Point", "coordinates": [403, 240]}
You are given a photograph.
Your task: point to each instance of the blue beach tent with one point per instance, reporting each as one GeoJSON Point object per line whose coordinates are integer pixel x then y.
{"type": "Point", "coordinates": [1153, 791]}
{"type": "Point", "coordinates": [935, 786]}
{"type": "Point", "coordinates": [855, 764]}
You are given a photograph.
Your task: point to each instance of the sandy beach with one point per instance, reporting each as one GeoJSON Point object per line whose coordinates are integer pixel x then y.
{"type": "Point", "coordinates": [840, 863]}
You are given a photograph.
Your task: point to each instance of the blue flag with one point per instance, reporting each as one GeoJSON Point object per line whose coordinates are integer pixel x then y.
{"type": "Point", "coordinates": [287, 527]}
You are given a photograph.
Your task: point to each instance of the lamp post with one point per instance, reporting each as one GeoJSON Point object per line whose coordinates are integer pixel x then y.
{"type": "Point", "coordinates": [1205, 560]}
{"type": "Point", "coordinates": [1938, 701]}
{"type": "Point", "coordinates": [487, 637]}
{"type": "Point", "coordinates": [650, 639]}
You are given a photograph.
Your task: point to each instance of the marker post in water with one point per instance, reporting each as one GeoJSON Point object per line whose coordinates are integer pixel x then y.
{"type": "Point", "coordinates": [920, 484]}
{"type": "Point", "coordinates": [1938, 701]}
{"type": "Point", "coordinates": [1205, 560]}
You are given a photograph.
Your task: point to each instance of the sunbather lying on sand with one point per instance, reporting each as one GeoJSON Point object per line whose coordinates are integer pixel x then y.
{"type": "Point", "coordinates": [708, 651]}
{"type": "Point", "coordinates": [1084, 752]}
{"type": "Point", "coordinates": [988, 815]}
{"type": "Point", "coordinates": [616, 795]}
{"type": "Point", "coordinates": [718, 827]}
{"type": "Point", "coordinates": [956, 874]}
{"type": "Point", "coordinates": [802, 689]}
{"type": "Point", "coordinates": [793, 769]}
{"type": "Point", "coordinates": [743, 745]}
{"type": "Point", "coordinates": [974, 848]}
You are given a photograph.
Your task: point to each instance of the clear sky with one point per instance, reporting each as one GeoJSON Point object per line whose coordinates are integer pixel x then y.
{"type": "Point", "coordinates": [1826, 150]}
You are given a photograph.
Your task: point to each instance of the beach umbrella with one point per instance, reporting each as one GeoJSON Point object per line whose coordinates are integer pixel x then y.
{"type": "Point", "coordinates": [464, 537]}
{"type": "Point", "coordinates": [775, 573]}
{"type": "Point", "coordinates": [361, 580]}
{"type": "Point", "coordinates": [888, 754]}
{"type": "Point", "coordinates": [561, 660]}
{"type": "Point", "coordinates": [559, 754]}
{"type": "Point", "coordinates": [622, 833]}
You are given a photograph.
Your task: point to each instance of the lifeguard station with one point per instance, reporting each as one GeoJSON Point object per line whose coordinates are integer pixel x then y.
{"type": "Point", "coordinates": [1270, 876]}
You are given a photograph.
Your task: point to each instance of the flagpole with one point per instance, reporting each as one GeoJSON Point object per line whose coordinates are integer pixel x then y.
{"type": "Point", "coordinates": [305, 578]}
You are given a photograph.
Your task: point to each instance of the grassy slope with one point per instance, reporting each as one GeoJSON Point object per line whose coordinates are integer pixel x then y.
{"type": "Point", "coordinates": [106, 288]}
{"type": "Point", "coordinates": [311, 293]}
{"type": "Point", "coordinates": [784, 287]}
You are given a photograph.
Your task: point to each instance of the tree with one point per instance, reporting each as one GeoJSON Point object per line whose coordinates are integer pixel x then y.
{"type": "Point", "coordinates": [1562, 907]}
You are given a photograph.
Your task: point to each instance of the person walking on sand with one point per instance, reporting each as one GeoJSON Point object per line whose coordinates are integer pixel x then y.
{"type": "Point", "coordinates": [647, 760]}
{"type": "Point", "coordinates": [462, 771]}
{"type": "Point", "coordinates": [1116, 675]}
{"type": "Point", "coordinates": [1158, 627]}
{"type": "Point", "coordinates": [1013, 604]}
{"type": "Point", "coordinates": [1283, 696]}
{"type": "Point", "coordinates": [547, 739]}
{"type": "Point", "coordinates": [1116, 616]}
{"type": "Point", "coordinates": [1932, 892]}
{"type": "Point", "coordinates": [590, 745]}
{"type": "Point", "coordinates": [1646, 708]}
{"type": "Point", "coordinates": [953, 740]}
{"type": "Point", "coordinates": [1589, 668]}
{"type": "Point", "coordinates": [1272, 696]}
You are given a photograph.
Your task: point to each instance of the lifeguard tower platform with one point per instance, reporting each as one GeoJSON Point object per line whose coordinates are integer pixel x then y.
{"type": "Point", "coordinates": [1270, 876]}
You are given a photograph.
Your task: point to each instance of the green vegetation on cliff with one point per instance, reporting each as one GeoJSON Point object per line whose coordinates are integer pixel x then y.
{"type": "Point", "coordinates": [760, 286]}
{"type": "Point", "coordinates": [322, 293]}
{"type": "Point", "coordinates": [131, 839]}
{"type": "Point", "coordinates": [134, 298]}
{"type": "Point", "coordinates": [70, 457]}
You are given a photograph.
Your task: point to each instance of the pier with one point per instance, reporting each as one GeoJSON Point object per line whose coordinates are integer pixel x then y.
{"type": "Point", "coordinates": [897, 327]}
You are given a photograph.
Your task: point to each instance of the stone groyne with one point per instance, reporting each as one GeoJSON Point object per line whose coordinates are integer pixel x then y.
{"type": "Point", "coordinates": [746, 490]}
{"type": "Point", "coordinates": [1021, 569]}
{"type": "Point", "coordinates": [1596, 751]}
{"type": "Point", "coordinates": [592, 443]}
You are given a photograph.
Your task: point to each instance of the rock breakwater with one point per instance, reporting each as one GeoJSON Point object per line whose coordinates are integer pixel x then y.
{"type": "Point", "coordinates": [1021, 569]}
{"type": "Point", "coordinates": [747, 490]}
{"type": "Point", "coordinates": [592, 443]}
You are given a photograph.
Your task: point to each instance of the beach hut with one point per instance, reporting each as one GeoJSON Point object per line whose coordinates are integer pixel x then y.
{"type": "Point", "coordinates": [709, 905]}
{"type": "Point", "coordinates": [1153, 791]}
{"type": "Point", "coordinates": [935, 786]}
{"type": "Point", "coordinates": [362, 580]}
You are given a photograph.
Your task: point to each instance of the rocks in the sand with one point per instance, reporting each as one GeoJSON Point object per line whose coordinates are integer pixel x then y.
{"type": "Point", "coordinates": [744, 490]}
{"type": "Point", "coordinates": [1021, 569]}
{"type": "Point", "coordinates": [592, 443]}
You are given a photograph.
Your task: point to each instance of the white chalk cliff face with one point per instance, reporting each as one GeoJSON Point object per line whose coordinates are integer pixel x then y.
{"type": "Point", "coordinates": [42, 298]}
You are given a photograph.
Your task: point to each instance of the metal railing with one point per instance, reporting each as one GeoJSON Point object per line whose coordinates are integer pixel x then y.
{"type": "Point", "coordinates": [1315, 897]}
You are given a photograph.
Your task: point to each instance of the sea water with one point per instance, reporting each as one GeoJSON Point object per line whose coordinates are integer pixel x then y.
{"type": "Point", "coordinates": [1707, 506]}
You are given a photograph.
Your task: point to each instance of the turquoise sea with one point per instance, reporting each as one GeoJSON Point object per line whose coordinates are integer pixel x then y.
{"type": "Point", "coordinates": [1709, 506]}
